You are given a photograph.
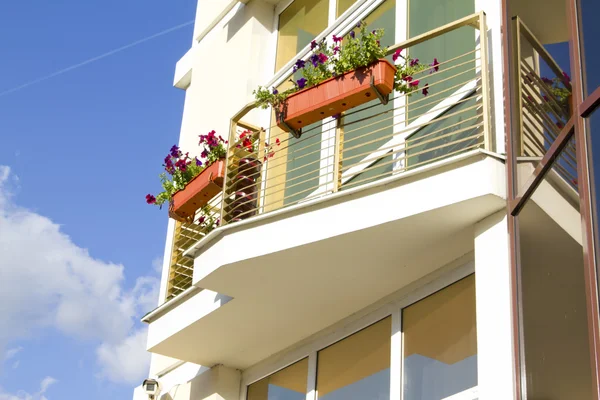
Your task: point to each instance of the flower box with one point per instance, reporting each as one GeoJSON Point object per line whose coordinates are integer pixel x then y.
{"type": "Point", "coordinates": [198, 192]}
{"type": "Point", "coordinates": [336, 95]}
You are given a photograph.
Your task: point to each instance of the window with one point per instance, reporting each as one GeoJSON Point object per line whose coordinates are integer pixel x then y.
{"type": "Point", "coordinates": [299, 23]}
{"type": "Point", "coordinates": [440, 343]}
{"type": "Point", "coordinates": [358, 367]}
{"type": "Point", "coordinates": [286, 384]}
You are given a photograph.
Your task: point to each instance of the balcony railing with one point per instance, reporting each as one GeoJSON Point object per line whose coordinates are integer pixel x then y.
{"type": "Point", "coordinates": [543, 102]}
{"type": "Point", "coordinates": [363, 145]}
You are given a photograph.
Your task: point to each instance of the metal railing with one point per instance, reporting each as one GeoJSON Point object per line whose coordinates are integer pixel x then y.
{"type": "Point", "coordinates": [541, 113]}
{"type": "Point", "coordinates": [269, 169]}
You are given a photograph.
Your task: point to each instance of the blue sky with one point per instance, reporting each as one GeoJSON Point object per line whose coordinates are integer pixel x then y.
{"type": "Point", "coordinates": [78, 153]}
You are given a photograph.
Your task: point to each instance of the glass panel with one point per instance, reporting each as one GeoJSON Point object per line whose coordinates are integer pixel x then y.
{"type": "Point", "coordinates": [555, 331]}
{"type": "Point", "coordinates": [358, 367]}
{"type": "Point", "coordinates": [590, 10]}
{"type": "Point", "coordinates": [440, 343]}
{"type": "Point", "coordinates": [455, 132]}
{"type": "Point", "coordinates": [300, 23]}
{"type": "Point", "coordinates": [371, 125]}
{"type": "Point", "coordinates": [287, 384]}
{"type": "Point", "coordinates": [343, 5]}
{"type": "Point", "coordinates": [593, 132]}
{"type": "Point", "coordinates": [426, 15]}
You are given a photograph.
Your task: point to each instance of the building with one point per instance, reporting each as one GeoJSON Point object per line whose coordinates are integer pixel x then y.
{"type": "Point", "coordinates": [433, 247]}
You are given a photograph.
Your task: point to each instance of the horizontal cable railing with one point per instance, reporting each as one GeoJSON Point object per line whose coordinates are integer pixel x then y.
{"type": "Point", "coordinates": [268, 169]}
{"type": "Point", "coordinates": [543, 102]}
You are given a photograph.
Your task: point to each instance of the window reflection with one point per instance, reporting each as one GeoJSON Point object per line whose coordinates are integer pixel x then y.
{"type": "Point", "coordinates": [590, 9]}
{"type": "Point", "coordinates": [300, 23]}
{"type": "Point", "coordinates": [358, 367]}
{"type": "Point", "coordinates": [440, 343]}
{"type": "Point", "coordinates": [286, 384]}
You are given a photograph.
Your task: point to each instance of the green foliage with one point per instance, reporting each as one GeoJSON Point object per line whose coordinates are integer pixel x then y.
{"type": "Point", "coordinates": [358, 49]}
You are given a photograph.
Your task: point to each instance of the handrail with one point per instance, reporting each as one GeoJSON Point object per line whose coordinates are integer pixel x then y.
{"type": "Point", "coordinates": [541, 50]}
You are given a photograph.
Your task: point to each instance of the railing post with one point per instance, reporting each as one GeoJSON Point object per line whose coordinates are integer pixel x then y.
{"type": "Point", "coordinates": [337, 156]}
{"type": "Point", "coordinates": [231, 140]}
{"type": "Point", "coordinates": [485, 82]}
{"type": "Point", "coordinates": [516, 65]}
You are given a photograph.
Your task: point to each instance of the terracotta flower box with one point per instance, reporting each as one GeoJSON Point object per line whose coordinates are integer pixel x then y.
{"type": "Point", "coordinates": [198, 192]}
{"type": "Point", "coordinates": [336, 95]}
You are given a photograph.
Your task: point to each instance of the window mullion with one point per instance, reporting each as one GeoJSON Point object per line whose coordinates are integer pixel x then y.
{"type": "Point", "coordinates": [396, 356]}
{"type": "Point", "coordinates": [311, 385]}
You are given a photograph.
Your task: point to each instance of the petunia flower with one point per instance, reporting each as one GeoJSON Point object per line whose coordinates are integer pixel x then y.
{"type": "Point", "coordinates": [277, 142]}
{"type": "Point", "coordinates": [299, 64]}
{"type": "Point", "coordinates": [566, 76]}
{"type": "Point", "coordinates": [198, 162]}
{"type": "Point", "coordinates": [336, 49]}
{"type": "Point", "coordinates": [313, 44]}
{"type": "Point", "coordinates": [314, 59]}
{"type": "Point", "coordinates": [352, 34]}
{"type": "Point", "coordinates": [397, 54]}
{"type": "Point", "coordinates": [301, 83]}
{"type": "Point", "coordinates": [174, 151]}
{"type": "Point", "coordinates": [407, 78]}
{"type": "Point", "coordinates": [426, 89]}
{"type": "Point", "coordinates": [359, 24]}
{"type": "Point", "coordinates": [150, 199]}
{"type": "Point", "coordinates": [414, 62]}
{"type": "Point", "coordinates": [275, 91]}
{"type": "Point", "coordinates": [413, 83]}
{"type": "Point", "coordinates": [434, 66]}
{"type": "Point", "coordinates": [322, 58]}
{"type": "Point", "coordinates": [547, 81]}
{"type": "Point", "coordinates": [337, 39]}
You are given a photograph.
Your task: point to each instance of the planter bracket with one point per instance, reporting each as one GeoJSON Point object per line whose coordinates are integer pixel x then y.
{"type": "Point", "coordinates": [295, 133]}
{"type": "Point", "coordinates": [383, 99]}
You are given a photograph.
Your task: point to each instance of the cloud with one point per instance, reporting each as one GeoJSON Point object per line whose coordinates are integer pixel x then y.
{"type": "Point", "coordinates": [22, 395]}
{"type": "Point", "coordinates": [126, 361]}
{"type": "Point", "coordinates": [10, 353]}
{"type": "Point", "coordinates": [47, 281]}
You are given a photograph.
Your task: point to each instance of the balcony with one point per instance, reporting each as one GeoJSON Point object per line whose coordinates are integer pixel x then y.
{"type": "Point", "coordinates": [303, 219]}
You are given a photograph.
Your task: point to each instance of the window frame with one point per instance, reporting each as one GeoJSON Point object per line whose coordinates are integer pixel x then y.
{"type": "Point", "coordinates": [405, 297]}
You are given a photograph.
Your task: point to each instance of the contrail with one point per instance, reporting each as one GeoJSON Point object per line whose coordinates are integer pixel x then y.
{"type": "Point", "coordinates": [91, 60]}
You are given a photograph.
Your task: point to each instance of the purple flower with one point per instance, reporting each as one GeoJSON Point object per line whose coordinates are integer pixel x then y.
{"type": "Point", "coordinates": [547, 81]}
{"type": "Point", "coordinates": [313, 44]}
{"type": "Point", "coordinates": [359, 24]}
{"type": "Point", "coordinates": [150, 199]}
{"type": "Point", "coordinates": [322, 58]}
{"type": "Point", "coordinates": [352, 34]}
{"type": "Point", "coordinates": [336, 49]}
{"type": "Point", "coordinates": [275, 91]}
{"type": "Point", "coordinates": [198, 162]}
{"type": "Point", "coordinates": [397, 54]}
{"type": "Point", "coordinates": [301, 83]}
{"type": "Point", "coordinates": [337, 39]}
{"type": "Point", "coordinates": [314, 59]}
{"type": "Point", "coordinates": [426, 89]}
{"type": "Point", "coordinates": [174, 151]}
{"type": "Point", "coordinates": [336, 116]}
{"type": "Point", "coordinates": [434, 66]}
{"type": "Point", "coordinates": [201, 219]}
{"type": "Point", "coordinates": [299, 64]}
{"type": "Point", "coordinates": [414, 62]}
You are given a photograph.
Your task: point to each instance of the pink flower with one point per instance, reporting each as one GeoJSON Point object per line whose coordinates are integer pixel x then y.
{"type": "Point", "coordinates": [414, 83]}
{"type": "Point", "coordinates": [434, 66]}
{"type": "Point", "coordinates": [336, 49]}
{"type": "Point", "coordinates": [322, 58]}
{"type": "Point", "coordinates": [397, 54]}
{"type": "Point", "coordinates": [150, 199]}
{"type": "Point", "coordinates": [337, 39]}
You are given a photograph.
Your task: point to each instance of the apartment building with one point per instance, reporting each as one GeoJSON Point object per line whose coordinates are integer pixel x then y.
{"type": "Point", "coordinates": [440, 245]}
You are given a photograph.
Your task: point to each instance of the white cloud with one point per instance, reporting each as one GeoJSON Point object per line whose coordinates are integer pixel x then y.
{"type": "Point", "coordinates": [10, 353]}
{"type": "Point", "coordinates": [16, 364]}
{"type": "Point", "coordinates": [23, 395]}
{"type": "Point", "coordinates": [47, 281]}
{"type": "Point", "coordinates": [126, 361]}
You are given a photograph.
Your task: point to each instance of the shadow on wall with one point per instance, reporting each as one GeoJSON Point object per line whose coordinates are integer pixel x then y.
{"type": "Point", "coordinates": [261, 11]}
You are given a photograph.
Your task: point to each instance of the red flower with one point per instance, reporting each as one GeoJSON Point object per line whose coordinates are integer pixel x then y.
{"type": "Point", "coordinates": [322, 58]}
{"type": "Point", "coordinates": [414, 83]}
{"type": "Point", "coordinates": [278, 142]}
{"type": "Point", "coordinates": [150, 199]}
{"type": "Point", "coordinates": [434, 66]}
{"type": "Point", "coordinates": [397, 54]}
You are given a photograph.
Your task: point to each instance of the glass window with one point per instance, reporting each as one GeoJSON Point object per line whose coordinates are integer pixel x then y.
{"type": "Point", "coordinates": [358, 367]}
{"type": "Point", "coordinates": [287, 384]}
{"type": "Point", "coordinates": [300, 23]}
{"type": "Point", "coordinates": [343, 5]}
{"type": "Point", "coordinates": [440, 343]}
{"type": "Point", "coordinates": [590, 9]}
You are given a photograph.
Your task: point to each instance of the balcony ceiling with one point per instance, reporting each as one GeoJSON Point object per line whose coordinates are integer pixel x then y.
{"type": "Point", "coordinates": [285, 296]}
{"type": "Point", "coordinates": [546, 18]}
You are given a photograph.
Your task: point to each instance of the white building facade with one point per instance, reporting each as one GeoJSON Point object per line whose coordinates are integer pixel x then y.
{"type": "Point", "coordinates": [375, 261]}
